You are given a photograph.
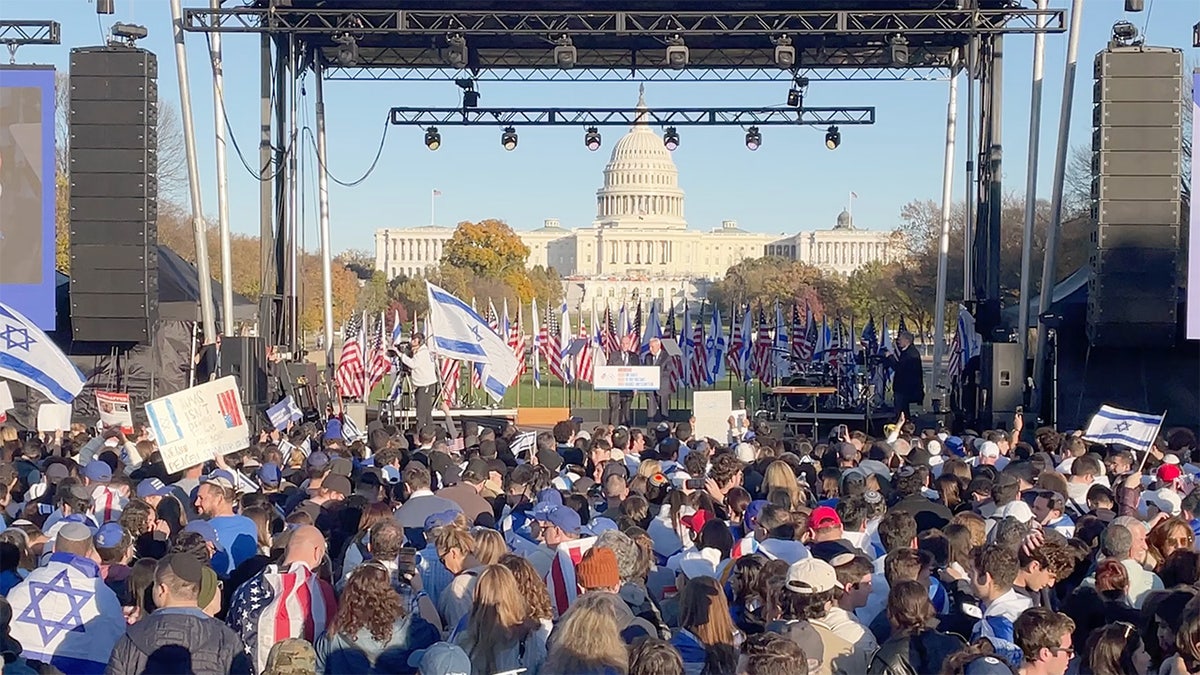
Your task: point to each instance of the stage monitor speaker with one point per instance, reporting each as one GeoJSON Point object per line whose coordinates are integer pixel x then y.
{"type": "Point", "coordinates": [1137, 159]}
{"type": "Point", "coordinates": [246, 359]}
{"type": "Point", "coordinates": [1004, 390]}
{"type": "Point", "coordinates": [113, 249]}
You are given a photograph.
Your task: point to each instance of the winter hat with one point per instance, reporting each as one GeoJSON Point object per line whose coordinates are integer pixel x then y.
{"type": "Point", "coordinates": [598, 569]}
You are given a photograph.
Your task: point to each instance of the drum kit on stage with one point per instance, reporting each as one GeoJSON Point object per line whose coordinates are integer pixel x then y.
{"type": "Point", "coordinates": [843, 389]}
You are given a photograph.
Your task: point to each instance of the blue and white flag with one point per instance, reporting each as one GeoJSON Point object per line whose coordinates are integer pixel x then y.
{"type": "Point", "coordinates": [397, 330]}
{"type": "Point", "coordinates": [715, 347]}
{"type": "Point", "coordinates": [283, 412]}
{"type": "Point", "coordinates": [1132, 429]}
{"type": "Point", "coordinates": [28, 356]}
{"type": "Point", "coordinates": [458, 332]}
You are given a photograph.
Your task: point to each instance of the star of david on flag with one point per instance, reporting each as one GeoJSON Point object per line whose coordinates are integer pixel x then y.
{"type": "Point", "coordinates": [1125, 427]}
{"type": "Point", "coordinates": [28, 356]}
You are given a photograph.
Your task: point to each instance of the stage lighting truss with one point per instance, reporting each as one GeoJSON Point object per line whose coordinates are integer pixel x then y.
{"type": "Point", "coordinates": [29, 32]}
{"type": "Point", "coordinates": [624, 117]}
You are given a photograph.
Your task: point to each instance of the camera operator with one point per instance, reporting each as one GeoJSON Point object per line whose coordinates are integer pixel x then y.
{"type": "Point", "coordinates": [908, 382]}
{"type": "Point", "coordinates": [424, 377]}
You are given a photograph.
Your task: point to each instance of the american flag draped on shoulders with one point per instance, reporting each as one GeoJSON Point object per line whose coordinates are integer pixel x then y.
{"type": "Point", "coordinates": [278, 604]}
{"type": "Point", "coordinates": [564, 588]}
{"type": "Point", "coordinates": [351, 373]}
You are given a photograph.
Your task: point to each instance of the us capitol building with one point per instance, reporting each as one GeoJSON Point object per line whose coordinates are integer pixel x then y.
{"type": "Point", "coordinates": [639, 243]}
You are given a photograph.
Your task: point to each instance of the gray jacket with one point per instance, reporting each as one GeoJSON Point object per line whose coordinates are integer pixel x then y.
{"type": "Point", "coordinates": [179, 640]}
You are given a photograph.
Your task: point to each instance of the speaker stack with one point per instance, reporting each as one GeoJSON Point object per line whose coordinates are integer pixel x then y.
{"type": "Point", "coordinates": [1137, 157]}
{"type": "Point", "coordinates": [114, 194]}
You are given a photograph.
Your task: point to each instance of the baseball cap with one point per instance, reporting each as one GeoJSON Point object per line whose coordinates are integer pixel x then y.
{"type": "Point", "coordinates": [98, 471]}
{"type": "Point", "coordinates": [441, 658]}
{"type": "Point", "coordinates": [220, 478]}
{"type": "Point", "coordinates": [441, 519]}
{"type": "Point", "coordinates": [955, 445]}
{"type": "Point", "coordinates": [753, 510]}
{"type": "Point", "coordinates": [989, 449]}
{"type": "Point", "coordinates": [109, 535]}
{"type": "Point", "coordinates": [563, 517]}
{"type": "Point", "coordinates": [847, 451]}
{"type": "Point", "coordinates": [318, 460]}
{"type": "Point", "coordinates": [547, 499]}
{"type": "Point", "coordinates": [477, 470]}
{"type": "Point", "coordinates": [1164, 499]}
{"type": "Point", "coordinates": [1169, 472]}
{"type": "Point", "coordinates": [987, 665]}
{"type": "Point", "coordinates": [705, 562]}
{"type": "Point", "coordinates": [822, 517]}
{"type": "Point", "coordinates": [56, 472]}
{"type": "Point", "coordinates": [336, 482]}
{"type": "Point", "coordinates": [152, 487]}
{"type": "Point", "coordinates": [341, 467]}
{"type": "Point", "coordinates": [269, 473]}
{"type": "Point", "coordinates": [746, 452]}
{"type": "Point", "coordinates": [204, 529]}
{"type": "Point", "coordinates": [695, 522]}
{"type": "Point", "coordinates": [810, 575]}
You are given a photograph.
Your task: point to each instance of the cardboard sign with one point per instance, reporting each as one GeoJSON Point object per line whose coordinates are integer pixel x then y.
{"type": "Point", "coordinates": [627, 378]}
{"type": "Point", "coordinates": [114, 410]}
{"type": "Point", "coordinates": [712, 410]}
{"type": "Point", "coordinates": [194, 425]}
{"type": "Point", "coordinates": [54, 417]}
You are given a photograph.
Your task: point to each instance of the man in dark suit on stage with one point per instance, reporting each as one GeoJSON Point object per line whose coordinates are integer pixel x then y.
{"type": "Point", "coordinates": [619, 401]}
{"type": "Point", "coordinates": [657, 401]}
{"type": "Point", "coordinates": [908, 380]}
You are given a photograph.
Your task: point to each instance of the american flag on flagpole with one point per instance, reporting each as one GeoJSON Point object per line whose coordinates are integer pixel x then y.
{"type": "Point", "coordinates": [448, 375]}
{"type": "Point", "coordinates": [381, 365]}
{"type": "Point", "coordinates": [674, 367]}
{"type": "Point", "coordinates": [799, 335]}
{"type": "Point", "coordinates": [586, 359]}
{"type": "Point", "coordinates": [700, 372]}
{"type": "Point", "coordinates": [762, 350]}
{"type": "Point", "coordinates": [552, 346]}
{"type": "Point", "coordinates": [564, 342]}
{"type": "Point", "coordinates": [516, 337]}
{"type": "Point", "coordinates": [954, 368]}
{"type": "Point", "coordinates": [350, 370]}
{"type": "Point", "coordinates": [609, 338]}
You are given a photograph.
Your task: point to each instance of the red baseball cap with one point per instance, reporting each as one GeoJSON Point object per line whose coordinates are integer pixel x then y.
{"type": "Point", "coordinates": [1169, 472]}
{"type": "Point", "coordinates": [823, 517]}
{"type": "Point", "coordinates": [696, 521]}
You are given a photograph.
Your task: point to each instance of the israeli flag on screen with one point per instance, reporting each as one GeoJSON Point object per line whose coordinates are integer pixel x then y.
{"type": "Point", "coordinates": [28, 356]}
{"type": "Point", "coordinates": [283, 412]}
{"type": "Point", "coordinates": [458, 332]}
{"type": "Point", "coordinates": [1132, 429]}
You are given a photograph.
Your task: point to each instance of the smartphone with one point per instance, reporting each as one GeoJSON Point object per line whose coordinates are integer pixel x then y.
{"type": "Point", "coordinates": [694, 484]}
{"type": "Point", "coordinates": [406, 561]}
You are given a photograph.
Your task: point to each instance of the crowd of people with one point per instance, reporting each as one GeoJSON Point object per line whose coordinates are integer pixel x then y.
{"type": "Point", "coordinates": [605, 550]}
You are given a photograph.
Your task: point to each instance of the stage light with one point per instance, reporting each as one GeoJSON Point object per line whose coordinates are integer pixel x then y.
{"type": "Point", "coordinates": [898, 49]}
{"type": "Point", "coordinates": [347, 51]}
{"type": "Point", "coordinates": [591, 138]}
{"type": "Point", "coordinates": [433, 139]}
{"type": "Point", "coordinates": [508, 139]}
{"type": "Point", "coordinates": [105, 7]}
{"type": "Point", "coordinates": [456, 56]}
{"type": "Point", "coordinates": [671, 138]}
{"type": "Point", "coordinates": [1124, 33]}
{"type": "Point", "coordinates": [785, 53]}
{"type": "Point", "coordinates": [795, 97]}
{"type": "Point", "coordinates": [833, 138]}
{"type": "Point", "coordinates": [470, 96]}
{"type": "Point", "coordinates": [753, 139]}
{"type": "Point", "coordinates": [129, 31]}
{"type": "Point", "coordinates": [677, 53]}
{"type": "Point", "coordinates": [565, 54]}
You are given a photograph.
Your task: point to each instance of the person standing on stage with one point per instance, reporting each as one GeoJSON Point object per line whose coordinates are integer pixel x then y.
{"type": "Point", "coordinates": [424, 378]}
{"type": "Point", "coordinates": [656, 401]}
{"type": "Point", "coordinates": [619, 401]}
{"type": "Point", "coordinates": [908, 381]}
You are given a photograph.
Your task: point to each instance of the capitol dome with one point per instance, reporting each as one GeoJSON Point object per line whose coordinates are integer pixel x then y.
{"type": "Point", "coordinates": [641, 183]}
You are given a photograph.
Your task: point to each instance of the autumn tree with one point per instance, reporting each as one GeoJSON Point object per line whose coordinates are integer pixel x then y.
{"type": "Point", "coordinates": [770, 279]}
{"type": "Point", "coordinates": [488, 248]}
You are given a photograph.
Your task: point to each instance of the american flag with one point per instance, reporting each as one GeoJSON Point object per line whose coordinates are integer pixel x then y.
{"type": "Point", "coordinates": [564, 588]}
{"type": "Point", "coordinates": [635, 328]}
{"type": "Point", "coordinates": [552, 347]}
{"type": "Point", "coordinates": [539, 339]}
{"type": "Point", "coordinates": [279, 604]}
{"type": "Point", "coordinates": [734, 357]}
{"type": "Point", "coordinates": [587, 359]}
{"type": "Point", "coordinates": [516, 337]}
{"type": "Point", "coordinates": [381, 365]}
{"type": "Point", "coordinates": [699, 374]}
{"type": "Point", "coordinates": [351, 373]}
{"type": "Point", "coordinates": [675, 366]}
{"type": "Point", "coordinates": [448, 375]}
{"type": "Point", "coordinates": [799, 334]}
{"type": "Point", "coordinates": [609, 338]}
{"type": "Point", "coordinates": [761, 365]}
{"type": "Point", "coordinates": [901, 326]}
{"type": "Point", "coordinates": [493, 321]}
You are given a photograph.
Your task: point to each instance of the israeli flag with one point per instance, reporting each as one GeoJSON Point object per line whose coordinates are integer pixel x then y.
{"type": "Point", "coordinates": [458, 332]}
{"type": "Point", "coordinates": [715, 348]}
{"type": "Point", "coordinates": [28, 356]}
{"type": "Point", "coordinates": [1132, 429]}
{"type": "Point", "coordinates": [283, 412]}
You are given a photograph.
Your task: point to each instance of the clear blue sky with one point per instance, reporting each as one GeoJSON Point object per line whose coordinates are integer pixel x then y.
{"type": "Point", "coordinates": [792, 183]}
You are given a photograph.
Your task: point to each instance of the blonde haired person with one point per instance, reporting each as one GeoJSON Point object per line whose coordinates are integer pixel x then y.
{"type": "Point", "coordinates": [779, 476]}
{"type": "Point", "coordinates": [501, 633]}
{"type": "Point", "coordinates": [489, 545]}
{"type": "Point", "coordinates": [587, 640]}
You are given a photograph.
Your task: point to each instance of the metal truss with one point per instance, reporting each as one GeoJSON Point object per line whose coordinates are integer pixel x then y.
{"type": "Point", "coordinates": [662, 24]}
{"type": "Point", "coordinates": [32, 32]}
{"type": "Point", "coordinates": [598, 117]}
{"type": "Point", "coordinates": [616, 74]}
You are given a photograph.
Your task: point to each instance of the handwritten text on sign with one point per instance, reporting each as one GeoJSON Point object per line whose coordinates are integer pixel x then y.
{"type": "Point", "coordinates": [197, 424]}
{"type": "Point", "coordinates": [627, 378]}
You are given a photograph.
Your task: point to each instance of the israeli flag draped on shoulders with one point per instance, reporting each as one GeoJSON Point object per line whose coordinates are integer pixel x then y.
{"type": "Point", "coordinates": [457, 332]}
{"type": "Point", "coordinates": [1132, 429]}
{"type": "Point", "coordinates": [64, 615]}
{"type": "Point", "coordinates": [28, 356]}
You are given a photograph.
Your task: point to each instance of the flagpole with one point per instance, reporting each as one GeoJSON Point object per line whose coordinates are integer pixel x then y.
{"type": "Point", "coordinates": [433, 193]}
{"type": "Point", "coordinates": [1157, 429]}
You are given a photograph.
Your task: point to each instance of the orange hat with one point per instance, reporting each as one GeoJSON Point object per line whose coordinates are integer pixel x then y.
{"type": "Point", "coordinates": [598, 569]}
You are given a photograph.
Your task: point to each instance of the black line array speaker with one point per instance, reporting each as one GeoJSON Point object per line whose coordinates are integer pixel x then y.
{"type": "Point", "coordinates": [114, 193]}
{"type": "Point", "coordinates": [246, 359]}
{"type": "Point", "coordinates": [1137, 157]}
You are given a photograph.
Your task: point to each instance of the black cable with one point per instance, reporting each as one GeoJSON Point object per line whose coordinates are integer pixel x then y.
{"type": "Point", "coordinates": [371, 169]}
{"type": "Point", "coordinates": [260, 175]}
